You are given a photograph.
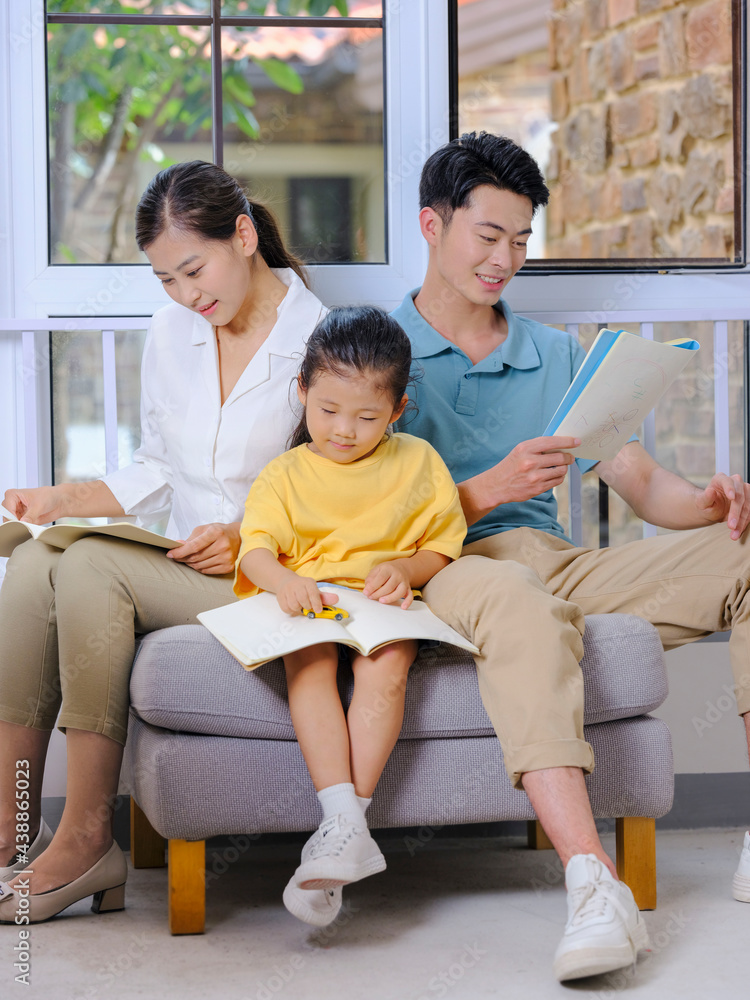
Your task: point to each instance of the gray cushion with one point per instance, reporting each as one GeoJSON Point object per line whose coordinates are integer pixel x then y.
{"type": "Point", "coordinates": [253, 786]}
{"type": "Point", "coordinates": [184, 680]}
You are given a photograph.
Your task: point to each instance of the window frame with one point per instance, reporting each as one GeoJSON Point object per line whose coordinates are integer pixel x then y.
{"type": "Point", "coordinates": [415, 103]}
{"type": "Point", "coordinates": [740, 35]}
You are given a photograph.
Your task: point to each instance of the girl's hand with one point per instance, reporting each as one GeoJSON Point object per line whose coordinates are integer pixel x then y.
{"type": "Point", "coordinates": [389, 583]}
{"type": "Point", "coordinates": [298, 592]}
{"type": "Point", "coordinates": [37, 506]}
{"type": "Point", "coordinates": [211, 549]}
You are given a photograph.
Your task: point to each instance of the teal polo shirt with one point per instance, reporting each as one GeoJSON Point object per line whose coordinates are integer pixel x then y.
{"type": "Point", "coordinates": [474, 415]}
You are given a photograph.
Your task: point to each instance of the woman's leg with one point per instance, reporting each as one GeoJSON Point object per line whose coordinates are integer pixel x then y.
{"type": "Point", "coordinates": [29, 680]}
{"type": "Point", "coordinates": [317, 713]}
{"type": "Point", "coordinates": [105, 592]}
{"type": "Point", "coordinates": [21, 749]}
{"type": "Point", "coordinates": [376, 711]}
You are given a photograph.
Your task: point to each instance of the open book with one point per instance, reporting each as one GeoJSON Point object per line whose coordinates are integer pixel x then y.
{"type": "Point", "coordinates": [614, 390]}
{"type": "Point", "coordinates": [256, 630]}
{"type": "Point", "coordinates": [13, 532]}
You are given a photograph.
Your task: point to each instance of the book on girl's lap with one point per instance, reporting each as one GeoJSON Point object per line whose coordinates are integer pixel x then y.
{"type": "Point", "coordinates": [620, 381]}
{"type": "Point", "coordinates": [13, 532]}
{"type": "Point", "coordinates": [255, 630]}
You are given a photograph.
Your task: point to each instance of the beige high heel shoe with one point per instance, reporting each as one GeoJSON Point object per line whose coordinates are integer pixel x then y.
{"type": "Point", "coordinates": [40, 843]}
{"type": "Point", "coordinates": [105, 879]}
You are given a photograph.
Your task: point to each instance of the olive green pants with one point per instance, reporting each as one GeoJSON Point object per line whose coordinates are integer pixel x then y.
{"type": "Point", "coordinates": [521, 596]}
{"type": "Point", "coordinates": [69, 621]}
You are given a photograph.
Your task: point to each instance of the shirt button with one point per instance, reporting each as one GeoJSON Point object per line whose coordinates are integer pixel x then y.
{"type": "Point", "coordinates": [207, 463]}
{"type": "Point", "coordinates": [217, 500]}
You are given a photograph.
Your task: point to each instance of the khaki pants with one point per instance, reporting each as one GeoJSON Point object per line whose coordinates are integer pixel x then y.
{"type": "Point", "coordinates": [68, 624]}
{"type": "Point", "coordinates": [521, 595]}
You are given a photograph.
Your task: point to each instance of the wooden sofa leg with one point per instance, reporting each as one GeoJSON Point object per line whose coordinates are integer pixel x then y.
{"type": "Point", "coordinates": [146, 845]}
{"type": "Point", "coordinates": [187, 886]}
{"type": "Point", "coordinates": [636, 858]}
{"type": "Point", "coordinates": [538, 839]}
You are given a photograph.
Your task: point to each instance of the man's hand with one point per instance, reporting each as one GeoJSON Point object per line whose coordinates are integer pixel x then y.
{"type": "Point", "coordinates": [726, 498]}
{"type": "Point", "coordinates": [298, 592]}
{"type": "Point", "coordinates": [36, 506]}
{"type": "Point", "coordinates": [533, 467]}
{"type": "Point", "coordinates": [211, 549]}
{"type": "Point", "coordinates": [389, 583]}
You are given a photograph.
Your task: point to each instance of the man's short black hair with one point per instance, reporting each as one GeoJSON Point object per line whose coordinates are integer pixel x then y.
{"type": "Point", "coordinates": [475, 158]}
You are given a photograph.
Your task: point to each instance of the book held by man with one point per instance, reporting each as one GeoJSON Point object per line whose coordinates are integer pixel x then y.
{"type": "Point", "coordinates": [256, 630]}
{"type": "Point", "coordinates": [13, 532]}
{"type": "Point", "coordinates": [620, 381]}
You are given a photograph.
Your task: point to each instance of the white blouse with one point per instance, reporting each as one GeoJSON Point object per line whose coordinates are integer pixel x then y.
{"type": "Point", "coordinates": [197, 458]}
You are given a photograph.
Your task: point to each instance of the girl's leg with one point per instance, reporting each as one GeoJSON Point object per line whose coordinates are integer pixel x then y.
{"type": "Point", "coordinates": [317, 713]}
{"type": "Point", "coordinates": [342, 850]}
{"type": "Point", "coordinates": [376, 711]}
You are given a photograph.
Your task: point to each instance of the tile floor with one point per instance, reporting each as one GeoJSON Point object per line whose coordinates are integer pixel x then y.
{"type": "Point", "coordinates": [458, 918]}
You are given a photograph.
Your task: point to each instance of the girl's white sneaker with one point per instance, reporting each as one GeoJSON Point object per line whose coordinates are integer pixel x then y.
{"type": "Point", "coordinates": [741, 880]}
{"type": "Point", "coordinates": [318, 907]}
{"type": "Point", "coordinates": [338, 852]}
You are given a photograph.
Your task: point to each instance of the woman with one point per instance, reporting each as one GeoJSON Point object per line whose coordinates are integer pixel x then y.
{"type": "Point", "coordinates": [216, 372]}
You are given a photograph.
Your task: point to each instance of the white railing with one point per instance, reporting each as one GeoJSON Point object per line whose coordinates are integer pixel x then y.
{"type": "Point", "coordinates": [25, 381]}
{"type": "Point", "coordinates": [719, 375]}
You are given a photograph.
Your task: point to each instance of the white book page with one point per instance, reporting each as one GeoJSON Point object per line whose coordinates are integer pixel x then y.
{"type": "Point", "coordinates": [257, 629]}
{"type": "Point", "coordinates": [14, 532]}
{"type": "Point", "coordinates": [621, 394]}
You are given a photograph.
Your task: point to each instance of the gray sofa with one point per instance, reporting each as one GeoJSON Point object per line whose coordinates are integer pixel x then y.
{"type": "Point", "coordinates": [211, 751]}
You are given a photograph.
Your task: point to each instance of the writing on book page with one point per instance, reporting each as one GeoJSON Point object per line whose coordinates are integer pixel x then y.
{"type": "Point", "coordinates": [636, 381]}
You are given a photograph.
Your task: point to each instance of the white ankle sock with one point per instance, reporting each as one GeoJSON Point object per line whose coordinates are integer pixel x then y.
{"type": "Point", "coordinates": [365, 803]}
{"type": "Point", "coordinates": [342, 799]}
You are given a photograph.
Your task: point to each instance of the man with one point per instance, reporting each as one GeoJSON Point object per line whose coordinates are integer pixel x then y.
{"type": "Point", "coordinates": [491, 381]}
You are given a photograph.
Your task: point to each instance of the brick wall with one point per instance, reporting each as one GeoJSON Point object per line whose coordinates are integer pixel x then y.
{"type": "Point", "coordinates": [642, 159]}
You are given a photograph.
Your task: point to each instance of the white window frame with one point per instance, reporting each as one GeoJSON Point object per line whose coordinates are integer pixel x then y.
{"type": "Point", "coordinates": [416, 103]}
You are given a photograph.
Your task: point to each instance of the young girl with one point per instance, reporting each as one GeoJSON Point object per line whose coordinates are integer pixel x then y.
{"type": "Point", "coordinates": [352, 505]}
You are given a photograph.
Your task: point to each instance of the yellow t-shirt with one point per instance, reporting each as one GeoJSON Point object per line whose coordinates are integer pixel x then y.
{"type": "Point", "coordinates": [335, 522]}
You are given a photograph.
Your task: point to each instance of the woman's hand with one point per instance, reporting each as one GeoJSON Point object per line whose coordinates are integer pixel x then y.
{"type": "Point", "coordinates": [37, 506]}
{"type": "Point", "coordinates": [211, 548]}
{"type": "Point", "coordinates": [390, 583]}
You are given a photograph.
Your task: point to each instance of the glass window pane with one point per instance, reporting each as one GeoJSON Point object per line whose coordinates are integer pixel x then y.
{"type": "Point", "coordinates": [628, 108]}
{"type": "Point", "coordinates": [735, 367]}
{"type": "Point", "coordinates": [684, 416]}
{"type": "Point", "coordinates": [78, 402]}
{"type": "Point", "coordinates": [303, 8]}
{"type": "Point", "coordinates": [180, 8]}
{"type": "Point", "coordinates": [77, 406]}
{"type": "Point", "coordinates": [303, 128]}
{"type": "Point", "coordinates": [117, 93]}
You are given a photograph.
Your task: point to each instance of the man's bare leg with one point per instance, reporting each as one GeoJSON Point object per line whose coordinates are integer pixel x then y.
{"type": "Point", "coordinates": [561, 803]}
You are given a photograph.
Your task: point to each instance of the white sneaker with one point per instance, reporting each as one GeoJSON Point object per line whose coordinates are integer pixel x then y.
{"type": "Point", "coordinates": [338, 853]}
{"type": "Point", "coordinates": [605, 930]}
{"type": "Point", "coordinates": [318, 907]}
{"type": "Point", "coordinates": [741, 880]}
